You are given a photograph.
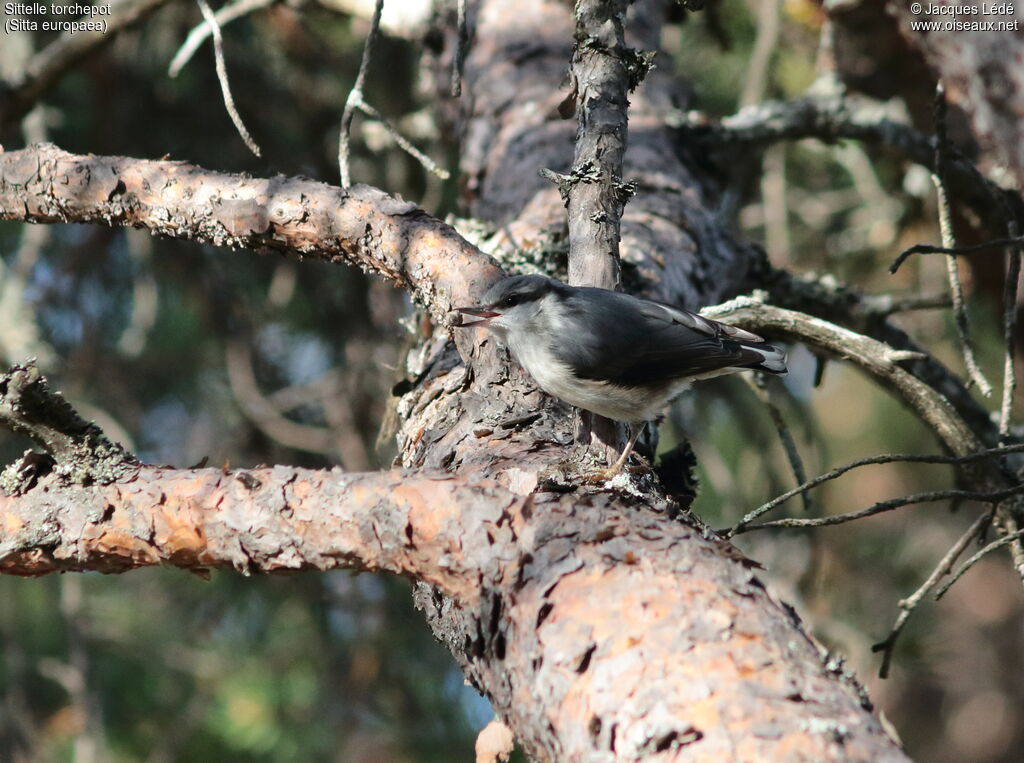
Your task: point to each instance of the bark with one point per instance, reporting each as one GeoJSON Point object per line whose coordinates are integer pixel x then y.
{"type": "Point", "coordinates": [570, 653]}
{"type": "Point", "coordinates": [611, 631]}
{"type": "Point", "coordinates": [594, 191]}
{"type": "Point", "coordinates": [293, 216]}
{"type": "Point", "coordinates": [262, 520]}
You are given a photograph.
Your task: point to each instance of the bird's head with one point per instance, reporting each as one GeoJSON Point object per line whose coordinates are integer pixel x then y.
{"type": "Point", "coordinates": [511, 304]}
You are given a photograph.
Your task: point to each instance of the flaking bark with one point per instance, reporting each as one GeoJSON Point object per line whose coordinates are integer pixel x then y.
{"type": "Point", "coordinates": [602, 630]}
{"type": "Point", "coordinates": [265, 520]}
{"type": "Point", "coordinates": [294, 216]}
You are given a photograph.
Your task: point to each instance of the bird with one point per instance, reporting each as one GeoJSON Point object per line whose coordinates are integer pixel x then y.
{"type": "Point", "coordinates": [611, 353]}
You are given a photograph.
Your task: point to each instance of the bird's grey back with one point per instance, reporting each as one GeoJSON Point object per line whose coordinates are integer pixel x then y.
{"type": "Point", "coordinates": [630, 341]}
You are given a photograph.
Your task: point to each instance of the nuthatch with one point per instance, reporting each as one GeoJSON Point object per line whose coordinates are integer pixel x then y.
{"type": "Point", "coordinates": [619, 356]}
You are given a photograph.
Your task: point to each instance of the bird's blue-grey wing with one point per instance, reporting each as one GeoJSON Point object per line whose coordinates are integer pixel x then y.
{"type": "Point", "coordinates": [638, 342]}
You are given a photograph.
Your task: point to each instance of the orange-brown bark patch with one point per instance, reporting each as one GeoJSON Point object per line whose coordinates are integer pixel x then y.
{"type": "Point", "coordinates": [134, 552]}
{"type": "Point", "coordinates": [12, 523]}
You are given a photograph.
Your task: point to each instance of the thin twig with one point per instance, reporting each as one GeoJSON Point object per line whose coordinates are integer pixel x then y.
{"type": "Point", "coordinates": [402, 141]}
{"type": "Point", "coordinates": [355, 96]}
{"type": "Point", "coordinates": [356, 101]}
{"type": "Point", "coordinates": [758, 385]}
{"type": "Point", "coordinates": [945, 215]}
{"type": "Point", "coordinates": [949, 241]}
{"type": "Point", "coordinates": [461, 43]}
{"type": "Point", "coordinates": [1009, 331]}
{"type": "Point", "coordinates": [993, 546]}
{"type": "Point", "coordinates": [908, 605]}
{"type": "Point", "coordinates": [222, 77]}
{"type": "Point", "coordinates": [983, 496]}
{"type": "Point", "coordinates": [934, 394]}
{"type": "Point", "coordinates": [201, 31]}
{"type": "Point", "coordinates": [887, 458]}
{"type": "Point", "coordinates": [881, 361]}
{"type": "Point", "coordinates": [956, 290]}
{"type": "Point", "coordinates": [1006, 522]}
{"type": "Point", "coordinates": [955, 250]}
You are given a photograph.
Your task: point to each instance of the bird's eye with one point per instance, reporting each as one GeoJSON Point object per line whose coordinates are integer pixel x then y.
{"type": "Point", "coordinates": [511, 300]}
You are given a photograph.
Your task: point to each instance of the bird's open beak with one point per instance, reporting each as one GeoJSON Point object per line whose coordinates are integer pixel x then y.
{"type": "Point", "coordinates": [475, 312]}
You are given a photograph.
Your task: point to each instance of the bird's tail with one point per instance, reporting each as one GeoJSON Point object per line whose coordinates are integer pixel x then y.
{"type": "Point", "coordinates": [757, 356]}
{"type": "Point", "coordinates": [771, 358]}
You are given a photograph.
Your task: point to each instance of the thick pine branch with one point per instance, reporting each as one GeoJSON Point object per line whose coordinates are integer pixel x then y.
{"type": "Point", "coordinates": [603, 617]}
{"type": "Point", "coordinates": [265, 520]}
{"type": "Point", "coordinates": [294, 216]}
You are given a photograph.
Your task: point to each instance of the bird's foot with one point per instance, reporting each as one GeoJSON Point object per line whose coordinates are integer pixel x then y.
{"type": "Point", "coordinates": [604, 476]}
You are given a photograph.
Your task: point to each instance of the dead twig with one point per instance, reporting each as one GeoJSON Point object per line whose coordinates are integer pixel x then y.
{"type": "Point", "coordinates": [222, 77]}
{"type": "Point", "coordinates": [356, 101]}
{"type": "Point", "coordinates": [401, 140]}
{"type": "Point", "coordinates": [953, 250]}
{"type": "Point", "coordinates": [949, 242]}
{"type": "Point", "coordinates": [993, 546]}
{"type": "Point", "coordinates": [908, 605]}
{"type": "Point", "coordinates": [885, 365]}
{"type": "Point", "coordinates": [356, 95]}
{"type": "Point", "coordinates": [198, 35]}
{"type": "Point", "coordinates": [1010, 287]}
{"type": "Point", "coordinates": [982, 496]}
{"type": "Point", "coordinates": [832, 117]}
{"type": "Point", "coordinates": [759, 386]}
{"type": "Point", "coordinates": [881, 361]}
{"type": "Point", "coordinates": [886, 458]}
{"type": "Point", "coordinates": [1010, 522]}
